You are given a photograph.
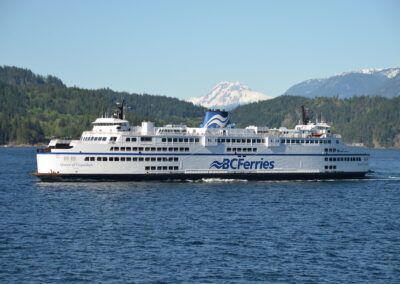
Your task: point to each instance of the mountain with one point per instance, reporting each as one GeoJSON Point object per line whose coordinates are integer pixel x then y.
{"type": "Point", "coordinates": [228, 95]}
{"type": "Point", "coordinates": [370, 82]}
{"type": "Point", "coordinates": [24, 77]}
{"type": "Point", "coordinates": [34, 108]}
{"type": "Point", "coordinates": [374, 121]}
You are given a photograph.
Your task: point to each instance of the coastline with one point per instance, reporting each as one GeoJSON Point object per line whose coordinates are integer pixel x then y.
{"type": "Point", "coordinates": [43, 145]}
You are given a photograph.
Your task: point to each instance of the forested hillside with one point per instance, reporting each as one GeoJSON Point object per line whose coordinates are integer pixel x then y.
{"type": "Point", "coordinates": [374, 121]}
{"type": "Point", "coordinates": [34, 108]}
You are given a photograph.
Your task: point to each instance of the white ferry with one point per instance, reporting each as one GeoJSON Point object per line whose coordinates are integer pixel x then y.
{"type": "Point", "coordinates": [115, 150]}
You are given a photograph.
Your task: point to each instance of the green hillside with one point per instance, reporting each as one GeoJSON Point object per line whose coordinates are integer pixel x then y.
{"type": "Point", "coordinates": [34, 108]}
{"type": "Point", "coordinates": [374, 121]}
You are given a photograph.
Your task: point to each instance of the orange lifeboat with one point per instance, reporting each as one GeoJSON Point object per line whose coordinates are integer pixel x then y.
{"type": "Point", "coordinates": [316, 134]}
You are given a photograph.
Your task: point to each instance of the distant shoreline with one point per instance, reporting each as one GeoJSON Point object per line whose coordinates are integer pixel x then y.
{"type": "Point", "coordinates": [42, 145]}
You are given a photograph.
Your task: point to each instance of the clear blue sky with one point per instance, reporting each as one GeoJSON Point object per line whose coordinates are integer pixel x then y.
{"type": "Point", "coordinates": [182, 48]}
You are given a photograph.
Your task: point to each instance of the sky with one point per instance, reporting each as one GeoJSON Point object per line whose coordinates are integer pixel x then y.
{"type": "Point", "coordinates": [183, 48]}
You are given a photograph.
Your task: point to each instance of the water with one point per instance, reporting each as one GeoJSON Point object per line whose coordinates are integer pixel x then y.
{"type": "Point", "coordinates": [199, 232]}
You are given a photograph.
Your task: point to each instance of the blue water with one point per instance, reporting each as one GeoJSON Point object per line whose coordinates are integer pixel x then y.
{"type": "Point", "coordinates": [199, 232]}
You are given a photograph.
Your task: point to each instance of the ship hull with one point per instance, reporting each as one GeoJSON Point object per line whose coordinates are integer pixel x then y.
{"type": "Point", "coordinates": [53, 177]}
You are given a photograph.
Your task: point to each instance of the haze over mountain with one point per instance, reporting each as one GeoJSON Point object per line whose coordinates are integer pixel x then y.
{"type": "Point", "coordinates": [228, 95]}
{"type": "Point", "coordinates": [370, 82]}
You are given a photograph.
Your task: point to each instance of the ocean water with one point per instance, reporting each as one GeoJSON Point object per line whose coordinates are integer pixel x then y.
{"type": "Point", "coordinates": [214, 231]}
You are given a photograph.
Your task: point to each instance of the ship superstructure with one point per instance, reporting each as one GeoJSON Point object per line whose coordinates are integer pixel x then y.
{"type": "Point", "coordinates": [115, 150]}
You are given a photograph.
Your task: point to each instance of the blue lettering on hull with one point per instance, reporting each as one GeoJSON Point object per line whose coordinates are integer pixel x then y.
{"type": "Point", "coordinates": [237, 164]}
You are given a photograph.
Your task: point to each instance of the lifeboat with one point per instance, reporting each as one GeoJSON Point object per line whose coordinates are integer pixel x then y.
{"type": "Point", "coordinates": [316, 134]}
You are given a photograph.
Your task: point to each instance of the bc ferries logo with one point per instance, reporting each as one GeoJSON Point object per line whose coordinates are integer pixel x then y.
{"type": "Point", "coordinates": [236, 164]}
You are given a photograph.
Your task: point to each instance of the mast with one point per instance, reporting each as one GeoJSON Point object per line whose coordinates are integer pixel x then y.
{"type": "Point", "coordinates": [304, 118]}
{"type": "Point", "coordinates": [120, 106]}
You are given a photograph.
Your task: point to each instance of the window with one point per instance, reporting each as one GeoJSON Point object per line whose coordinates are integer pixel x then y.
{"type": "Point", "coordinates": [326, 159]}
{"type": "Point", "coordinates": [104, 138]}
{"type": "Point", "coordinates": [128, 148]}
{"type": "Point", "coordinates": [116, 159]}
{"type": "Point", "coordinates": [175, 159]}
{"type": "Point", "coordinates": [123, 159]}
{"type": "Point", "coordinates": [140, 159]}
{"type": "Point", "coordinates": [122, 148]}
{"type": "Point", "coordinates": [128, 139]}
{"type": "Point", "coordinates": [92, 159]}
{"type": "Point", "coordinates": [134, 159]}
{"type": "Point", "coordinates": [164, 140]}
{"type": "Point", "coordinates": [98, 159]}
{"type": "Point", "coordinates": [128, 159]}
{"type": "Point", "coordinates": [326, 167]}
{"type": "Point", "coordinates": [116, 148]}
{"type": "Point", "coordinates": [104, 159]}
{"type": "Point", "coordinates": [147, 159]}
{"type": "Point", "coordinates": [169, 139]}
{"type": "Point", "coordinates": [86, 159]}
{"type": "Point", "coordinates": [111, 159]}
{"type": "Point", "coordinates": [146, 139]}
{"type": "Point", "coordinates": [147, 168]}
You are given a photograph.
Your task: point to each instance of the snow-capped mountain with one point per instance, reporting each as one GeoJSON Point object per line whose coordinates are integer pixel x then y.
{"type": "Point", "coordinates": [228, 95]}
{"type": "Point", "coordinates": [347, 84]}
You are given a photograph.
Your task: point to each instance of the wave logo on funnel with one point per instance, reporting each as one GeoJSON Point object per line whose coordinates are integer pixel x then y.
{"type": "Point", "coordinates": [216, 119]}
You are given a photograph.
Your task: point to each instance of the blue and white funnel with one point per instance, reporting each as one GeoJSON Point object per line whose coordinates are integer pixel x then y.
{"type": "Point", "coordinates": [216, 119]}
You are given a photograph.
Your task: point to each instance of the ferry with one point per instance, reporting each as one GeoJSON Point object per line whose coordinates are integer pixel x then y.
{"type": "Point", "coordinates": [116, 151]}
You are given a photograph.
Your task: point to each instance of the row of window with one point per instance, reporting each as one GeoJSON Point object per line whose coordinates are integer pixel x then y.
{"type": "Point", "coordinates": [94, 138]}
{"type": "Point", "coordinates": [150, 149]}
{"type": "Point", "coordinates": [343, 159]}
{"type": "Point", "coordinates": [307, 141]}
{"type": "Point", "coordinates": [330, 167]}
{"type": "Point", "coordinates": [329, 150]}
{"type": "Point", "coordinates": [132, 159]}
{"type": "Point", "coordinates": [242, 141]}
{"type": "Point", "coordinates": [181, 140]}
{"type": "Point", "coordinates": [161, 168]}
{"type": "Point", "coordinates": [241, 150]}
